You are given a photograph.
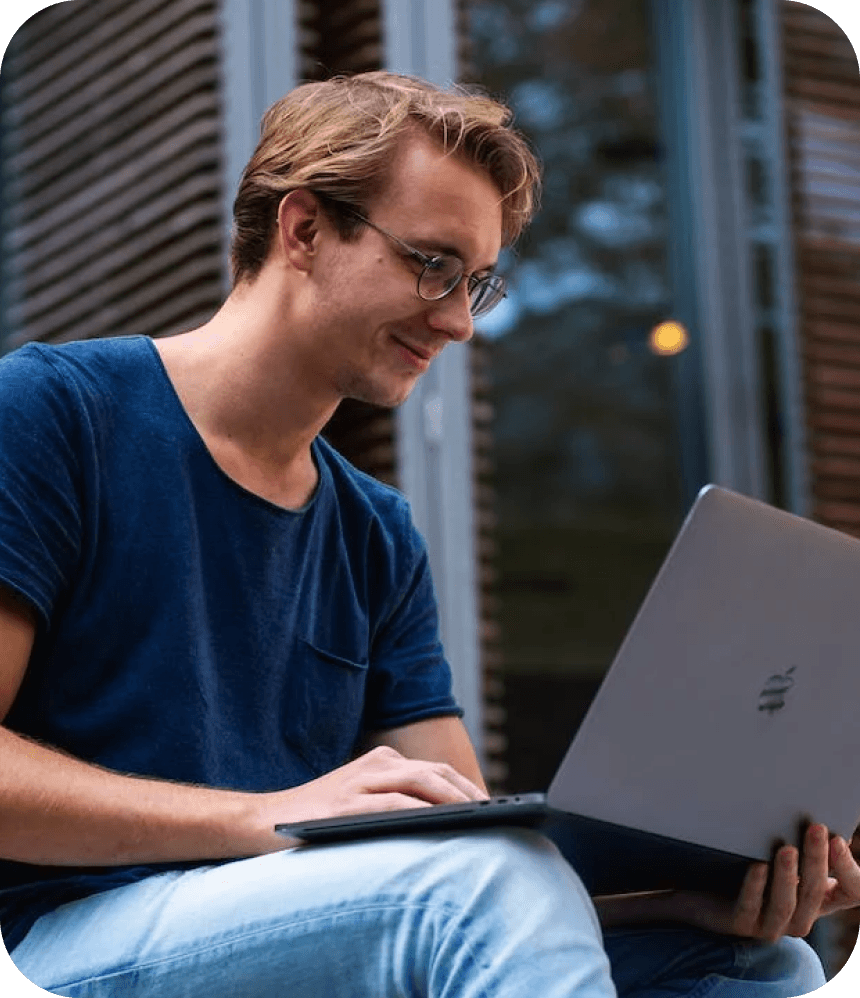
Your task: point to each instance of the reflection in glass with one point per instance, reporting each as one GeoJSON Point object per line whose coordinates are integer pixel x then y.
{"type": "Point", "coordinates": [586, 436]}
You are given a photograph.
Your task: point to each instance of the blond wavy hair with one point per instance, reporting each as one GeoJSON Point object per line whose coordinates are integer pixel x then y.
{"type": "Point", "coordinates": [338, 138]}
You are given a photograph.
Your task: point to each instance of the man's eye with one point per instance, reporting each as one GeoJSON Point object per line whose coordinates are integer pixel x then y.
{"type": "Point", "coordinates": [445, 268]}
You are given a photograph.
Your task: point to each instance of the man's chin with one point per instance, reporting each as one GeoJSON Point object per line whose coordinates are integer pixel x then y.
{"type": "Point", "coordinates": [380, 402]}
{"type": "Point", "coordinates": [381, 396]}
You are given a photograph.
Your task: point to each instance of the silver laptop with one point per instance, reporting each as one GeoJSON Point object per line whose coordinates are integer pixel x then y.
{"type": "Point", "coordinates": [729, 718]}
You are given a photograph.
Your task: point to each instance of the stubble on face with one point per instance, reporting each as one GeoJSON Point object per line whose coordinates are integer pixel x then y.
{"type": "Point", "coordinates": [436, 201]}
{"type": "Point", "coordinates": [362, 386]}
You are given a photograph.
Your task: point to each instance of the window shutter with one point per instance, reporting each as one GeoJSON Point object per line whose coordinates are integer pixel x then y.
{"type": "Point", "coordinates": [822, 93]}
{"type": "Point", "coordinates": [339, 37]}
{"type": "Point", "coordinates": [823, 106]}
{"type": "Point", "coordinates": [112, 170]}
{"type": "Point", "coordinates": [492, 663]}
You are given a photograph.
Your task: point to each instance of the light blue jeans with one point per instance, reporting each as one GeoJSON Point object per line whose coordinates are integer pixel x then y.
{"type": "Point", "coordinates": [486, 915]}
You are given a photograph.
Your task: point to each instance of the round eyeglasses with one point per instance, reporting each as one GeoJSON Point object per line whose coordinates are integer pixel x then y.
{"type": "Point", "coordinates": [441, 274]}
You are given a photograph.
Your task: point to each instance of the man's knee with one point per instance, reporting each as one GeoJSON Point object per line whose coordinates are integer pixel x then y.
{"type": "Point", "coordinates": [516, 863]}
{"type": "Point", "coordinates": [504, 852]}
{"type": "Point", "coordinates": [793, 962]}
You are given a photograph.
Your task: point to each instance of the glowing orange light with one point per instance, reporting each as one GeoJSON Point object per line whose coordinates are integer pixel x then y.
{"type": "Point", "coordinates": [668, 339]}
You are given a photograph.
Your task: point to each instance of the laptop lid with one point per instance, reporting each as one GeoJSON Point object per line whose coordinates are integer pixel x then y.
{"type": "Point", "coordinates": [730, 714]}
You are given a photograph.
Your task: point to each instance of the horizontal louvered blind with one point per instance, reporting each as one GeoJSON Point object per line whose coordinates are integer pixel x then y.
{"type": "Point", "coordinates": [112, 170]}
{"type": "Point", "coordinates": [496, 739]}
{"type": "Point", "coordinates": [339, 37]}
{"type": "Point", "coordinates": [822, 86]}
{"type": "Point", "coordinates": [822, 91]}
{"type": "Point", "coordinates": [486, 519]}
{"type": "Point", "coordinates": [828, 146]}
{"type": "Point", "coordinates": [364, 435]}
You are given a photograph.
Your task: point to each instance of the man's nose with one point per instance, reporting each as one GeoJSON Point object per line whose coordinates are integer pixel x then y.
{"type": "Point", "coordinates": [452, 315]}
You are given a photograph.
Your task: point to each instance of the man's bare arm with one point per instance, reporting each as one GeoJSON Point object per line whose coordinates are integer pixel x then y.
{"type": "Point", "coordinates": [58, 810]}
{"type": "Point", "coordinates": [17, 633]}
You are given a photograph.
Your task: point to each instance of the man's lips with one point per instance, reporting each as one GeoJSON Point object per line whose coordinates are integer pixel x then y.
{"type": "Point", "coordinates": [421, 354]}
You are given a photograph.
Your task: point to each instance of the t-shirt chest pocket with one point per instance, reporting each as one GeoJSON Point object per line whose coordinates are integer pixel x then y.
{"type": "Point", "coordinates": [323, 705]}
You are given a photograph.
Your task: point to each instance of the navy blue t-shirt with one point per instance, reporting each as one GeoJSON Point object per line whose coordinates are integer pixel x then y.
{"type": "Point", "coordinates": [188, 629]}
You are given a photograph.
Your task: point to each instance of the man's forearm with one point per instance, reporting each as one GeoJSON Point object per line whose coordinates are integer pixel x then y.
{"type": "Point", "coordinates": [57, 810]}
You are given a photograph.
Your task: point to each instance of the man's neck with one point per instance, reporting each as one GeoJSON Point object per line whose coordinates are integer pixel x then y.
{"type": "Point", "coordinates": [246, 394]}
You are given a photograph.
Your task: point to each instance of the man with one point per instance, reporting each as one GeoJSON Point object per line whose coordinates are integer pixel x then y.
{"type": "Point", "coordinates": [210, 624]}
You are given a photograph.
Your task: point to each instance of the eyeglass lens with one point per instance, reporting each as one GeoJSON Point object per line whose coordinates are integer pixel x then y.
{"type": "Point", "coordinates": [443, 274]}
{"type": "Point", "coordinates": [486, 293]}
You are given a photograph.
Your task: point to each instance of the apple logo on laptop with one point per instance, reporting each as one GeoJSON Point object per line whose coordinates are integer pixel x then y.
{"type": "Point", "coordinates": [773, 695]}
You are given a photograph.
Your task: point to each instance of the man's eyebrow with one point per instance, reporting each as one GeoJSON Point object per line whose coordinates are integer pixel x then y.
{"type": "Point", "coordinates": [437, 249]}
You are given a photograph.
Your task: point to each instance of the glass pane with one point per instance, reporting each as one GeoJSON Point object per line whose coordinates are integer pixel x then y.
{"type": "Point", "coordinates": [587, 452]}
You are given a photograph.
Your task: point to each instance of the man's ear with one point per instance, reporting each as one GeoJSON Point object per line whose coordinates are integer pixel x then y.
{"type": "Point", "coordinates": [298, 228]}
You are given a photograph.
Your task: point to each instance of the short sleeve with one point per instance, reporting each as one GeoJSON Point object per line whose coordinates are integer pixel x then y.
{"type": "Point", "coordinates": [40, 487]}
{"type": "Point", "coordinates": [410, 678]}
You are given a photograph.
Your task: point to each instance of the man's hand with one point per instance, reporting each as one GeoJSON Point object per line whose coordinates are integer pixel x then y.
{"type": "Point", "coordinates": [821, 881]}
{"type": "Point", "coordinates": [803, 888]}
{"type": "Point", "coordinates": [383, 780]}
{"type": "Point", "coordinates": [380, 780]}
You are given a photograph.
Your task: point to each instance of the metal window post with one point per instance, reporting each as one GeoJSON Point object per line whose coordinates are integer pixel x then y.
{"type": "Point", "coordinates": [711, 139]}
{"type": "Point", "coordinates": [709, 258]}
{"type": "Point", "coordinates": [260, 59]}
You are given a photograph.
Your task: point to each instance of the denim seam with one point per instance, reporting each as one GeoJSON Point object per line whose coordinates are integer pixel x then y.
{"type": "Point", "coordinates": [228, 942]}
{"type": "Point", "coordinates": [707, 985]}
{"type": "Point", "coordinates": [470, 951]}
